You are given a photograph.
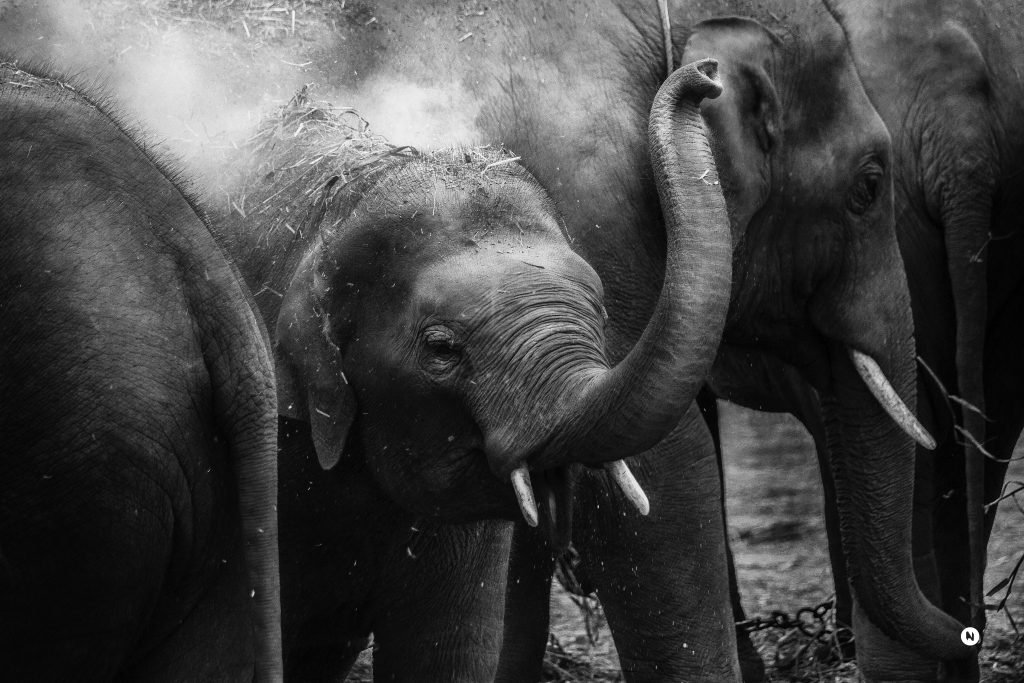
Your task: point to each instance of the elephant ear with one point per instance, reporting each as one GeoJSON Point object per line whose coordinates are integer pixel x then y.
{"type": "Point", "coordinates": [311, 385]}
{"type": "Point", "coordinates": [746, 121]}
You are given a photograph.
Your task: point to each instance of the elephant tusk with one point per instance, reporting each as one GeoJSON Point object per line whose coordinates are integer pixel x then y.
{"type": "Point", "coordinates": [629, 486]}
{"type": "Point", "coordinates": [890, 401]}
{"type": "Point", "coordinates": [524, 494]}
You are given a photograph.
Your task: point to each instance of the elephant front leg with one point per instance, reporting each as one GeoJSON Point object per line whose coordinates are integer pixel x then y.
{"type": "Point", "coordinates": [837, 559]}
{"type": "Point", "coordinates": [527, 612]}
{"type": "Point", "coordinates": [439, 604]}
{"type": "Point", "coordinates": [751, 664]}
{"type": "Point", "coordinates": [663, 580]}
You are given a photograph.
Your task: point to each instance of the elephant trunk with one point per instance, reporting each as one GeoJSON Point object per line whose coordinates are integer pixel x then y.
{"type": "Point", "coordinates": [873, 468]}
{"type": "Point", "coordinates": [966, 238]}
{"type": "Point", "coordinates": [632, 406]}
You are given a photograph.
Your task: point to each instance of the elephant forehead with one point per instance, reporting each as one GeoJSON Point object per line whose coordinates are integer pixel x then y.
{"type": "Point", "coordinates": [821, 89]}
{"type": "Point", "coordinates": [473, 283]}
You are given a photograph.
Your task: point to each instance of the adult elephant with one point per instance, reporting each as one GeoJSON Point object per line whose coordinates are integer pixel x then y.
{"type": "Point", "coordinates": [805, 163]}
{"type": "Point", "coordinates": [138, 531]}
{"type": "Point", "coordinates": [945, 77]}
{"type": "Point", "coordinates": [959, 133]}
{"type": "Point", "coordinates": [441, 359]}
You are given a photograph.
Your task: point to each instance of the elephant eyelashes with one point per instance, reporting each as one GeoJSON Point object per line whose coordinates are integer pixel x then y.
{"type": "Point", "coordinates": [865, 191]}
{"type": "Point", "coordinates": [443, 351]}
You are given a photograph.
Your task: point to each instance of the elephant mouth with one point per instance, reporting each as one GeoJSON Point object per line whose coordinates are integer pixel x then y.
{"type": "Point", "coordinates": [826, 362]}
{"type": "Point", "coordinates": [545, 499]}
{"type": "Point", "coordinates": [813, 356]}
{"type": "Point", "coordinates": [873, 377]}
{"type": "Point", "coordinates": [553, 490]}
{"type": "Point", "coordinates": [844, 362]}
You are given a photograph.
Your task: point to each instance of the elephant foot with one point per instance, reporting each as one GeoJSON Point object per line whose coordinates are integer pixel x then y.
{"type": "Point", "coordinates": [751, 664]}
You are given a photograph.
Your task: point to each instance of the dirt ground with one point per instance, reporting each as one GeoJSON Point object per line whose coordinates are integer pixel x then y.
{"type": "Point", "coordinates": [197, 72]}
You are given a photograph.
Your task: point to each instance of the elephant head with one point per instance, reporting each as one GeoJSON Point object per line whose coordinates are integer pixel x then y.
{"type": "Point", "coordinates": [440, 327]}
{"type": "Point", "coordinates": [819, 283]}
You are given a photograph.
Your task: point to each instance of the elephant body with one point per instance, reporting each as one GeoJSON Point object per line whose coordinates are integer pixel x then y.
{"type": "Point", "coordinates": [960, 147]}
{"type": "Point", "coordinates": [806, 167]}
{"type": "Point", "coordinates": [138, 475]}
{"type": "Point", "coordinates": [945, 78]}
{"type": "Point", "coordinates": [437, 340]}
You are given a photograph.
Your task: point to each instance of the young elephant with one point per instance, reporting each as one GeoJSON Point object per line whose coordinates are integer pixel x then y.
{"type": "Point", "coordinates": [438, 340]}
{"type": "Point", "coordinates": [138, 532]}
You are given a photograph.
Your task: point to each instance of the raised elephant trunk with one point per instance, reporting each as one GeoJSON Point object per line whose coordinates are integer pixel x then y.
{"type": "Point", "coordinates": [629, 408]}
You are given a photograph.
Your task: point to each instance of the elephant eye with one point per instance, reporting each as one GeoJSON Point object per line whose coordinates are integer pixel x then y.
{"type": "Point", "coordinates": [865, 191]}
{"type": "Point", "coordinates": [442, 350]}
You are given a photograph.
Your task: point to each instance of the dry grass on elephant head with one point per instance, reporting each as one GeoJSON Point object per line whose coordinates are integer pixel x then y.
{"type": "Point", "coordinates": [308, 151]}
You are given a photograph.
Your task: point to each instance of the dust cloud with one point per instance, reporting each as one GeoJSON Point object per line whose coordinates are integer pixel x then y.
{"type": "Point", "coordinates": [198, 75]}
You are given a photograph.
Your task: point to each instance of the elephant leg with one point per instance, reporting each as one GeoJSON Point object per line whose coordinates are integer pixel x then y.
{"type": "Point", "coordinates": [663, 580]}
{"type": "Point", "coordinates": [527, 613]}
{"type": "Point", "coordinates": [214, 642]}
{"type": "Point", "coordinates": [328, 564]}
{"type": "Point", "coordinates": [751, 664]}
{"type": "Point", "coordinates": [949, 529]}
{"type": "Point", "coordinates": [85, 548]}
{"type": "Point", "coordinates": [837, 560]}
{"type": "Point", "coordinates": [324, 646]}
{"type": "Point", "coordinates": [327, 655]}
{"type": "Point", "coordinates": [438, 607]}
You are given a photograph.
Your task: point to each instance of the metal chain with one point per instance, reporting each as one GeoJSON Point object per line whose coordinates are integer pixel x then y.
{"type": "Point", "coordinates": [810, 621]}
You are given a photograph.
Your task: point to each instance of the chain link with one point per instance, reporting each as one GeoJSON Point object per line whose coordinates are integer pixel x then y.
{"type": "Point", "coordinates": [810, 621]}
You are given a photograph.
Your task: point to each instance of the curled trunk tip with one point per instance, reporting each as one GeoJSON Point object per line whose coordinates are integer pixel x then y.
{"type": "Point", "coordinates": [698, 80]}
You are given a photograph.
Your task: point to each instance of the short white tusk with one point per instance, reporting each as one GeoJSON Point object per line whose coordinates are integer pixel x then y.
{"type": "Point", "coordinates": [887, 397]}
{"type": "Point", "coordinates": [524, 494]}
{"type": "Point", "coordinates": [629, 485]}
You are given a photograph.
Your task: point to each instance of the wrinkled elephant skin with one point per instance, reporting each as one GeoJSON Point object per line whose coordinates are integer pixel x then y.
{"type": "Point", "coordinates": [138, 480]}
